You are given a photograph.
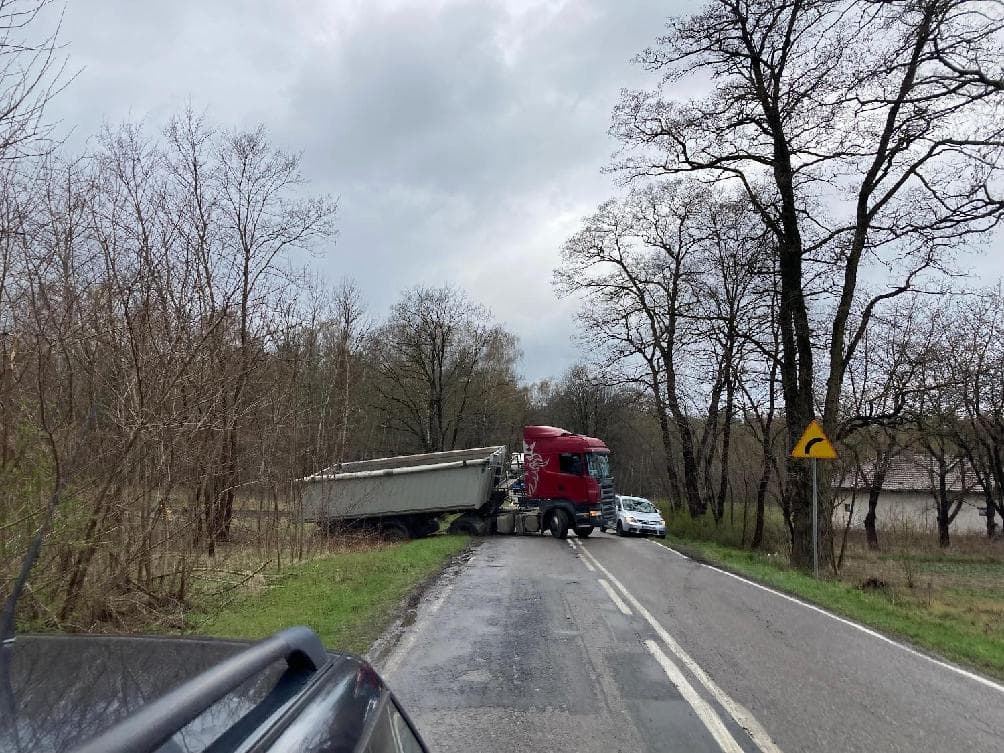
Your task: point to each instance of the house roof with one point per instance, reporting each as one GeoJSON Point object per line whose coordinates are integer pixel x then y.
{"type": "Point", "coordinates": [912, 473]}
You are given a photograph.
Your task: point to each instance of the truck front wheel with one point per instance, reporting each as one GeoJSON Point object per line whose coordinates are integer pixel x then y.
{"type": "Point", "coordinates": [583, 531]}
{"type": "Point", "coordinates": [559, 524]}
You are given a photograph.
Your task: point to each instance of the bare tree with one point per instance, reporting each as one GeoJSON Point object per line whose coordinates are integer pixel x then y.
{"type": "Point", "coordinates": [978, 367]}
{"type": "Point", "coordinates": [434, 358]}
{"type": "Point", "coordinates": [33, 70]}
{"type": "Point", "coordinates": [637, 262]}
{"type": "Point", "coordinates": [142, 301]}
{"type": "Point", "coordinates": [260, 222]}
{"type": "Point", "coordinates": [670, 276]}
{"type": "Point", "coordinates": [819, 99]}
{"type": "Point", "coordinates": [884, 381]}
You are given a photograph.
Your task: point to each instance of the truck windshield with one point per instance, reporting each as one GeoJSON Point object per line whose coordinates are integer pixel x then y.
{"type": "Point", "coordinates": [599, 464]}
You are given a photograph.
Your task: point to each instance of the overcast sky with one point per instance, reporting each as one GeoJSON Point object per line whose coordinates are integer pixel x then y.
{"type": "Point", "coordinates": [464, 140]}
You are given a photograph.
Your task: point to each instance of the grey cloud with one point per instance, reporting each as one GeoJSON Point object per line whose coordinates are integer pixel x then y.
{"type": "Point", "coordinates": [464, 139]}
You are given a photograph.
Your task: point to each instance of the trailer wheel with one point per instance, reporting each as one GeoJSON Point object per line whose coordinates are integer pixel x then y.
{"type": "Point", "coordinates": [395, 530]}
{"type": "Point", "coordinates": [559, 524]}
{"type": "Point", "coordinates": [583, 531]}
{"type": "Point", "coordinates": [470, 525]}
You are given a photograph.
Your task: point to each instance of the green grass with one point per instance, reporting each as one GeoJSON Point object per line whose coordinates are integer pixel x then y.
{"type": "Point", "coordinates": [965, 626]}
{"type": "Point", "coordinates": [730, 530]}
{"type": "Point", "coordinates": [348, 598]}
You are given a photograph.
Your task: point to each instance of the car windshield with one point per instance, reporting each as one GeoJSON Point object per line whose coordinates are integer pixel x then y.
{"type": "Point", "coordinates": [599, 464]}
{"type": "Point", "coordinates": [636, 504]}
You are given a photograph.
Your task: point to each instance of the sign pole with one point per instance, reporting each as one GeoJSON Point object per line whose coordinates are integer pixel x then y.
{"type": "Point", "coordinates": [813, 445]}
{"type": "Point", "coordinates": [815, 524]}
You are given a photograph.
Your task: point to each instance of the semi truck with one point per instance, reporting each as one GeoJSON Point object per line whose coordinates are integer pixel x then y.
{"type": "Point", "coordinates": [559, 482]}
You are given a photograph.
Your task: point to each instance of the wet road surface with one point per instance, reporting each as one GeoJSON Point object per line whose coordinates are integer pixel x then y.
{"type": "Point", "coordinates": [612, 644]}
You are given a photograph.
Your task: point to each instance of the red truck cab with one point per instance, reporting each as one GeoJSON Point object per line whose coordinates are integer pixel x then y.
{"type": "Point", "coordinates": [568, 472]}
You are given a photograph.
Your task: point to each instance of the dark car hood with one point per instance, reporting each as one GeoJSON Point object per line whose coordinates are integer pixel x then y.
{"type": "Point", "coordinates": [57, 691]}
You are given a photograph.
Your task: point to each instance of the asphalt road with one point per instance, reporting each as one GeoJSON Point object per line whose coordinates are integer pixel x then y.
{"type": "Point", "coordinates": [612, 644]}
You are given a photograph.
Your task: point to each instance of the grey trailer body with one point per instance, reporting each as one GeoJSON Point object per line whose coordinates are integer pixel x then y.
{"type": "Point", "coordinates": [405, 487]}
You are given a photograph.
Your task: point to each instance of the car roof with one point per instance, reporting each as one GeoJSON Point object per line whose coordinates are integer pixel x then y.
{"type": "Point", "coordinates": [69, 688]}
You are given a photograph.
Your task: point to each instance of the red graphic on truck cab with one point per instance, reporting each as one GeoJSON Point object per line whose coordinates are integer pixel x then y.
{"type": "Point", "coordinates": [532, 464]}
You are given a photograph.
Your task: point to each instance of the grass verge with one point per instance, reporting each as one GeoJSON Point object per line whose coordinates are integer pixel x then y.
{"type": "Point", "coordinates": [957, 634]}
{"type": "Point", "coordinates": [348, 598]}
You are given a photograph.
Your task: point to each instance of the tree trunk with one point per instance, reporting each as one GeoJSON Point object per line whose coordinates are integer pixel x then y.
{"type": "Point", "coordinates": [943, 538]}
{"type": "Point", "coordinates": [761, 494]}
{"type": "Point", "coordinates": [796, 383]}
{"type": "Point", "coordinates": [871, 534]}
{"type": "Point", "coordinates": [723, 483]}
{"type": "Point", "coordinates": [665, 432]}
{"type": "Point", "coordinates": [943, 514]}
{"type": "Point", "coordinates": [799, 491]}
{"type": "Point", "coordinates": [874, 491]}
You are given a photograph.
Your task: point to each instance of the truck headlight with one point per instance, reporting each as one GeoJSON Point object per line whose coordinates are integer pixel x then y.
{"type": "Point", "coordinates": [595, 513]}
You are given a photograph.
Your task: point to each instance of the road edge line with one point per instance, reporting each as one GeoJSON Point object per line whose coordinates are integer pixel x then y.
{"type": "Point", "coordinates": [846, 621]}
{"type": "Point", "coordinates": [740, 715]}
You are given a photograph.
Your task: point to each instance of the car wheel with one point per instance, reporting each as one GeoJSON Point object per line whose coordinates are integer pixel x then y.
{"type": "Point", "coordinates": [620, 529]}
{"type": "Point", "coordinates": [583, 531]}
{"type": "Point", "coordinates": [559, 524]}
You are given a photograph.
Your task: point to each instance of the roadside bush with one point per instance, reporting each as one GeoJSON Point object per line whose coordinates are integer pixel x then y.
{"type": "Point", "coordinates": [729, 531]}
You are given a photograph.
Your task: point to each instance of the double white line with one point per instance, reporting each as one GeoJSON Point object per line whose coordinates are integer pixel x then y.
{"type": "Point", "coordinates": [708, 716]}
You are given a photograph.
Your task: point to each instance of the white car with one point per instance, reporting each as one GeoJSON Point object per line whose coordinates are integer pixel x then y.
{"type": "Point", "coordinates": [638, 515]}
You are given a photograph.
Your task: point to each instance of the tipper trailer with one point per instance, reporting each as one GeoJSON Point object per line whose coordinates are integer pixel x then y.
{"type": "Point", "coordinates": [562, 482]}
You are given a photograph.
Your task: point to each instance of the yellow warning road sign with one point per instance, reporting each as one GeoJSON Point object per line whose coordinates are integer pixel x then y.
{"type": "Point", "coordinates": [814, 444]}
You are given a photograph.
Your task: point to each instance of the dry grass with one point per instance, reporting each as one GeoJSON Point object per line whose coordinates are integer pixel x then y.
{"type": "Point", "coordinates": [964, 582]}
{"type": "Point", "coordinates": [176, 577]}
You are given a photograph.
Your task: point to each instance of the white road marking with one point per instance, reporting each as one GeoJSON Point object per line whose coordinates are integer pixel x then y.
{"type": "Point", "coordinates": [868, 631]}
{"type": "Point", "coordinates": [704, 711]}
{"type": "Point", "coordinates": [738, 713]}
{"type": "Point", "coordinates": [617, 600]}
{"type": "Point", "coordinates": [570, 543]}
{"type": "Point", "coordinates": [589, 567]}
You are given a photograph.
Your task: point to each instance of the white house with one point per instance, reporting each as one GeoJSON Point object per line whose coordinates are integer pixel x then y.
{"type": "Point", "coordinates": [908, 497]}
